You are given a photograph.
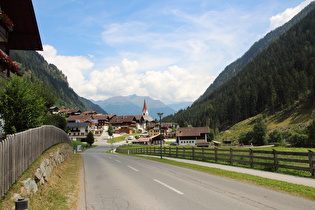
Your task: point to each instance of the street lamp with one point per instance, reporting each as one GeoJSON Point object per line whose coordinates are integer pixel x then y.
{"type": "Point", "coordinates": [160, 115]}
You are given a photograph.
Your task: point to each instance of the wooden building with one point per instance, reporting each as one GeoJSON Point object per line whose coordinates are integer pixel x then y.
{"type": "Point", "coordinates": [18, 31]}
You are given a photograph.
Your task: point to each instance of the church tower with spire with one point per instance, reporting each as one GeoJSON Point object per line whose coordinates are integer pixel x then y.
{"type": "Point", "coordinates": [145, 111]}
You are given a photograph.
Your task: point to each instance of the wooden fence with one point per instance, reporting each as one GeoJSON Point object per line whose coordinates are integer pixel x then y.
{"type": "Point", "coordinates": [19, 151]}
{"type": "Point", "coordinates": [273, 160]}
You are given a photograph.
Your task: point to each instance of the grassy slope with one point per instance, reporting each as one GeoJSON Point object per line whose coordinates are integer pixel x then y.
{"type": "Point", "coordinates": [297, 116]}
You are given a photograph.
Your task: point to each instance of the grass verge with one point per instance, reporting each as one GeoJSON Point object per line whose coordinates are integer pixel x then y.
{"type": "Point", "coordinates": [290, 188]}
{"type": "Point", "coordinates": [60, 192]}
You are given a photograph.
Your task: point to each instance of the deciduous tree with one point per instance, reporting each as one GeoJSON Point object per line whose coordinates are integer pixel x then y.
{"type": "Point", "coordinates": [23, 104]}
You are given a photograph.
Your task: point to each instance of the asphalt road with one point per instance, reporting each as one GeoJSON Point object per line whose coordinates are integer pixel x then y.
{"type": "Point", "coordinates": [123, 182]}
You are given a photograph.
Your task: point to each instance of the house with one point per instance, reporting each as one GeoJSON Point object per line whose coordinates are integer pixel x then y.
{"type": "Point", "coordinates": [79, 118]}
{"type": "Point", "coordinates": [79, 126]}
{"type": "Point", "coordinates": [54, 110]}
{"type": "Point", "coordinates": [90, 113]}
{"type": "Point", "coordinates": [154, 128]}
{"type": "Point", "coordinates": [124, 124]}
{"type": "Point", "coordinates": [154, 140]}
{"type": "Point", "coordinates": [78, 131]}
{"type": "Point", "coordinates": [68, 112]}
{"type": "Point", "coordinates": [18, 31]}
{"type": "Point", "coordinates": [192, 136]}
{"type": "Point", "coordinates": [101, 122]}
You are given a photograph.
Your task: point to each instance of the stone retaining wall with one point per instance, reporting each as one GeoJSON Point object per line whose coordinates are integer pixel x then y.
{"type": "Point", "coordinates": [45, 170]}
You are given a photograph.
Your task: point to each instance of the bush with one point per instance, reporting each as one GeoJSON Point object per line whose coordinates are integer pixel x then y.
{"type": "Point", "coordinates": [299, 140]}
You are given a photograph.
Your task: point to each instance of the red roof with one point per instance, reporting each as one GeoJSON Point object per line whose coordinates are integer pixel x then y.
{"type": "Point", "coordinates": [145, 109]}
{"type": "Point", "coordinates": [123, 119]}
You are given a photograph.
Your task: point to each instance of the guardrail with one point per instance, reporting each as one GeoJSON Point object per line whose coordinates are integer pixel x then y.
{"type": "Point", "coordinates": [19, 151]}
{"type": "Point", "coordinates": [302, 161]}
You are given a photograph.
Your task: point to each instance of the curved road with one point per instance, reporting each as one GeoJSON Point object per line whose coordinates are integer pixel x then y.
{"type": "Point", "coordinates": [123, 182]}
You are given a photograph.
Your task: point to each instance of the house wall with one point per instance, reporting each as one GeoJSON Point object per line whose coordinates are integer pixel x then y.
{"type": "Point", "coordinates": [187, 142]}
{"type": "Point", "coordinates": [78, 134]}
{"type": "Point", "coordinates": [191, 140]}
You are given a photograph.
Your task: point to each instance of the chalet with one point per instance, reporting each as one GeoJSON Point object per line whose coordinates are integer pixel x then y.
{"type": "Point", "coordinates": [78, 131]}
{"type": "Point", "coordinates": [154, 128]}
{"type": "Point", "coordinates": [101, 122]}
{"type": "Point", "coordinates": [124, 124]}
{"type": "Point", "coordinates": [192, 136]}
{"type": "Point", "coordinates": [68, 112]}
{"type": "Point", "coordinates": [54, 110]}
{"type": "Point", "coordinates": [18, 31]}
{"type": "Point", "coordinates": [90, 113]}
{"type": "Point", "coordinates": [154, 140]}
{"type": "Point", "coordinates": [79, 118]}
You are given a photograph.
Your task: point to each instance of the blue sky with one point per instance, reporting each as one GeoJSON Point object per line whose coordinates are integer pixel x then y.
{"type": "Point", "coordinates": [170, 50]}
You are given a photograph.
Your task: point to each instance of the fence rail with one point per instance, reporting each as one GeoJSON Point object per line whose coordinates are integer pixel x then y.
{"type": "Point", "coordinates": [302, 161]}
{"type": "Point", "coordinates": [19, 151]}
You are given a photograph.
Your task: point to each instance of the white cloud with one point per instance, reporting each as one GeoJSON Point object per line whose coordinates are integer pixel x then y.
{"type": "Point", "coordinates": [288, 14]}
{"type": "Point", "coordinates": [169, 85]}
{"type": "Point", "coordinates": [73, 67]}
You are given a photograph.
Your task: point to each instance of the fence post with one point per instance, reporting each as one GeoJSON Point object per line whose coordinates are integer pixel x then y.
{"type": "Point", "coordinates": [193, 152]}
{"type": "Point", "coordinates": [275, 159]}
{"type": "Point", "coordinates": [251, 158]}
{"type": "Point", "coordinates": [311, 161]}
{"type": "Point", "coordinates": [203, 153]}
{"type": "Point", "coordinates": [216, 154]}
{"type": "Point", "coordinates": [176, 152]}
{"type": "Point", "coordinates": [231, 156]}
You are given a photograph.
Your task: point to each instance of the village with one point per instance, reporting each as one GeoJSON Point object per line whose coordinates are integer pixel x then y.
{"type": "Point", "coordinates": [146, 130]}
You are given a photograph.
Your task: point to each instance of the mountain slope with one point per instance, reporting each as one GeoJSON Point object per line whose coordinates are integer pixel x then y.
{"type": "Point", "coordinates": [35, 65]}
{"type": "Point", "coordinates": [254, 50]}
{"type": "Point", "coordinates": [133, 104]}
{"type": "Point", "coordinates": [277, 78]}
{"type": "Point", "coordinates": [90, 106]}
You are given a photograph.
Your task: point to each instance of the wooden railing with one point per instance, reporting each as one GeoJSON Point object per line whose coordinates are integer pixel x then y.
{"type": "Point", "coordinates": [301, 161]}
{"type": "Point", "coordinates": [19, 151]}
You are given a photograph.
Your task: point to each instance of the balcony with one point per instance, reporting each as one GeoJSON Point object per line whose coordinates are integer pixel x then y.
{"type": "Point", "coordinates": [6, 26]}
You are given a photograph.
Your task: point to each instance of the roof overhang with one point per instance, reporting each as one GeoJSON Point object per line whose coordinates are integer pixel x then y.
{"type": "Point", "coordinates": [25, 34]}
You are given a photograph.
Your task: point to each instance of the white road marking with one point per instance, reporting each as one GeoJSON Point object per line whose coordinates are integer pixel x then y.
{"type": "Point", "coordinates": [169, 187]}
{"type": "Point", "coordinates": [118, 161]}
{"type": "Point", "coordinates": [133, 168]}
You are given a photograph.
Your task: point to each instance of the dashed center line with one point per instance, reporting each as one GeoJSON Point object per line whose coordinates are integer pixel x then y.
{"type": "Point", "coordinates": [118, 161]}
{"type": "Point", "coordinates": [169, 187]}
{"type": "Point", "coordinates": [133, 168]}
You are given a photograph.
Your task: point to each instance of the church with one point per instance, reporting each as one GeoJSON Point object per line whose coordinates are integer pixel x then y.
{"type": "Point", "coordinates": [144, 119]}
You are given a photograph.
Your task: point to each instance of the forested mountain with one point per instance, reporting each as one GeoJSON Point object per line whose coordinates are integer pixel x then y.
{"type": "Point", "coordinates": [278, 77]}
{"type": "Point", "coordinates": [255, 49]}
{"type": "Point", "coordinates": [33, 64]}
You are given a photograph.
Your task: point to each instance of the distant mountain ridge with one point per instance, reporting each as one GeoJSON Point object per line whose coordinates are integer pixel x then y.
{"type": "Point", "coordinates": [180, 105]}
{"type": "Point", "coordinates": [133, 105]}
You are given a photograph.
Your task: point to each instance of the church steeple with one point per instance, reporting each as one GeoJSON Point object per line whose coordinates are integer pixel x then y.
{"type": "Point", "coordinates": [145, 111]}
